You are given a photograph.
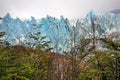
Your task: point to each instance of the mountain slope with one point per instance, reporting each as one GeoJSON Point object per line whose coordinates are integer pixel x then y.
{"type": "Point", "coordinates": [116, 11]}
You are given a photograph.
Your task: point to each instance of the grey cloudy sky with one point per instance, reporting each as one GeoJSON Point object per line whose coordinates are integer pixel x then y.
{"type": "Point", "coordinates": [68, 8]}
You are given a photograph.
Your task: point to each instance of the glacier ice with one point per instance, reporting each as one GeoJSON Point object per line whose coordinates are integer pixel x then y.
{"type": "Point", "coordinates": [59, 32]}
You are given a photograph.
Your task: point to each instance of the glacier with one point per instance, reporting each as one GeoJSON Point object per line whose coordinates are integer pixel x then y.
{"type": "Point", "coordinates": [60, 32]}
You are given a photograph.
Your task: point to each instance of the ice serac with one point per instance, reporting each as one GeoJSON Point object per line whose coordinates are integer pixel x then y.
{"type": "Point", "coordinates": [103, 23]}
{"type": "Point", "coordinates": [14, 28]}
{"type": "Point", "coordinates": [59, 32]}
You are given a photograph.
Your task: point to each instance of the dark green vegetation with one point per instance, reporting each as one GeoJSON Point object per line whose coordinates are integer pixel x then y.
{"type": "Point", "coordinates": [37, 62]}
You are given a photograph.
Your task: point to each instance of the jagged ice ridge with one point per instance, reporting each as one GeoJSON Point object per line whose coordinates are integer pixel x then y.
{"type": "Point", "coordinates": [59, 32]}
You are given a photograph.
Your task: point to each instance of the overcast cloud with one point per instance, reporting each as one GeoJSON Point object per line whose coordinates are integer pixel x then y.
{"type": "Point", "coordinates": [68, 8]}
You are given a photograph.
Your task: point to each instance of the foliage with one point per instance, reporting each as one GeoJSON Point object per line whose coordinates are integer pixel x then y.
{"type": "Point", "coordinates": [3, 42]}
{"type": "Point", "coordinates": [39, 41]}
{"type": "Point", "coordinates": [19, 62]}
{"type": "Point", "coordinates": [83, 62]}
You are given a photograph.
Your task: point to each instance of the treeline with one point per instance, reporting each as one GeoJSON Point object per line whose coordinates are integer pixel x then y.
{"type": "Point", "coordinates": [37, 62]}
